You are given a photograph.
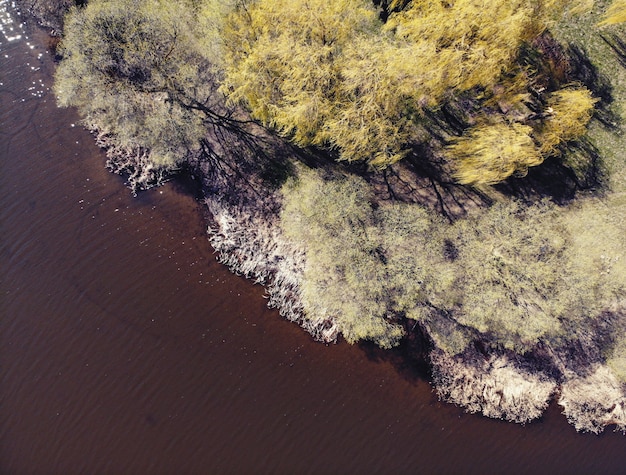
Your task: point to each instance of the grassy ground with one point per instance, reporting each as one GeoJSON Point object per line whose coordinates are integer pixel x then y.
{"type": "Point", "coordinates": [605, 48]}
{"type": "Point", "coordinates": [582, 32]}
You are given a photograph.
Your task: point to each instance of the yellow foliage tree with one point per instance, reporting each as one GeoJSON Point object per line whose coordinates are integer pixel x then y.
{"type": "Point", "coordinates": [615, 14]}
{"type": "Point", "coordinates": [281, 60]}
{"type": "Point", "coordinates": [569, 112]}
{"type": "Point", "coordinates": [332, 74]}
{"type": "Point", "coordinates": [489, 154]}
{"type": "Point", "coordinates": [370, 120]}
{"type": "Point", "coordinates": [467, 45]}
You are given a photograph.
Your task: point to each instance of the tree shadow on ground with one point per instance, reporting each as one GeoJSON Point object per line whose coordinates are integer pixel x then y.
{"type": "Point", "coordinates": [618, 45]}
{"type": "Point", "coordinates": [580, 168]}
{"type": "Point", "coordinates": [584, 71]}
{"type": "Point", "coordinates": [244, 163]}
{"type": "Point", "coordinates": [422, 178]}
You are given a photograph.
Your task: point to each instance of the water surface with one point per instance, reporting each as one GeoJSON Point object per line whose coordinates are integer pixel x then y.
{"type": "Point", "coordinates": [126, 348]}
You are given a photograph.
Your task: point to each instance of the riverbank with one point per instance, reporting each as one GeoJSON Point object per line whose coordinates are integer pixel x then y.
{"type": "Point", "coordinates": [126, 348]}
{"type": "Point", "coordinates": [248, 234]}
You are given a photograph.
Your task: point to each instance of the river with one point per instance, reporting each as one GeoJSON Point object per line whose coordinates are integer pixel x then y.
{"type": "Point", "coordinates": [125, 348]}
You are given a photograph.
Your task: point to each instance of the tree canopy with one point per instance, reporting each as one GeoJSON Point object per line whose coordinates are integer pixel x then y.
{"type": "Point", "coordinates": [335, 75]}
{"type": "Point", "coordinates": [341, 76]}
{"type": "Point", "coordinates": [515, 275]}
{"type": "Point", "coordinates": [139, 70]}
{"type": "Point", "coordinates": [488, 153]}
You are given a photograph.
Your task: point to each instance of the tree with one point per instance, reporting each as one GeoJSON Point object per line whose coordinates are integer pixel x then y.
{"type": "Point", "coordinates": [464, 46]}
{"type": "Point", "coordinates": [137, 71]}
{"type": "Point", "coordinates": [615, 14]}
{"type": "Point", "coordinates": [344, 279]}
{"type": "Point", "coordinates": [283, 60]}
{"type": "Point", "coordinates": [488, 154]}
{"type": "Point", "coordinates": [568, 112]}
{"type": "Point", "coordinates": [327, 74]}
{"type": "Point", "coordinates": [331, 74]}
{"type": "Point", "coordinates": [512, 275]}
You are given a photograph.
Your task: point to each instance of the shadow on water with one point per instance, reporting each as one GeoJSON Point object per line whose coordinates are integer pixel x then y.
{"type": "Point", "coordinates": [187, 182]}
{"type": "Point", "coordinates": [409, 359]}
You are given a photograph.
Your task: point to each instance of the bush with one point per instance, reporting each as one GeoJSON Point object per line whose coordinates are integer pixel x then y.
{"type": "Point", "coordinates": [569, 112]}
{"type": "Point", "coordinates": [488, 154]}
{"type": "Point", "coordinates": [137, 70]}
{"type": "Point", "coordinates": [344, 278]}
{"type": "Point", "coordinates": [539, 273]}
{"type": "Point", "coordinates": [512, 275]}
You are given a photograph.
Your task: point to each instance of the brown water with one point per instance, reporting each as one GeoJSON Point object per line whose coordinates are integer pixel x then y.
{"type": "Point", "coordinates": [125, 347]}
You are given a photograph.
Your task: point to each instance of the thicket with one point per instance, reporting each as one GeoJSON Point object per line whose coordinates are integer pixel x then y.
{"type": "Point", "coordinates": [368, 84]}
{"type": "Point", "coordinates": [143, 73]}
{"type": "Point", "coordinates": [512, 275]}
{"type": "Point", "coordinates": [333, 75]}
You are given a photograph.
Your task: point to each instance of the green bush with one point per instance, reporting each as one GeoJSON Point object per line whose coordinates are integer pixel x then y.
{"type": "Point", "coordinates": [137, 70]}
{"type": "Point", "coordinates": [345, 277]}
{"type": "Point", "coordinates": [513, 275]}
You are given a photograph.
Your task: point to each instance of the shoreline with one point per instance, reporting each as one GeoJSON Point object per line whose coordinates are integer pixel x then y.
{"type": "Point", "coordinates": [244, 231]}
{"type": "Point", "coordinates": [495, 385]}
{"type": "Point", "coordinates": [247, 237]}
